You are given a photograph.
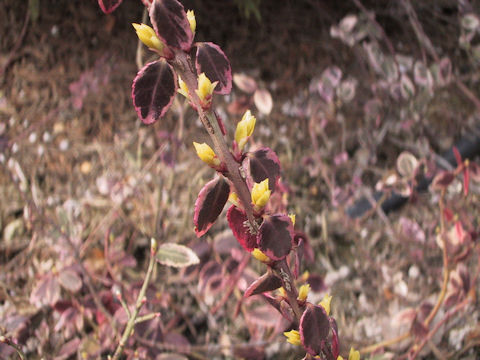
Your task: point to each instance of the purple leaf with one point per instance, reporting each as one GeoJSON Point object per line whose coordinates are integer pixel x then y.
{"type": "Point", "coordinates": [212, 61]}
{"type": "Point", "coordinates": [153, 90]}
{"type": "Point", "coordinates": [108, 6]}
{"type": "Point", "coordinates": [263, 164]}
{"type": "Point", "coordinates": [275, 236]}
{"type": "Point", "coordinates": [238, 222]}
{"type": "Point", "coordinates": [314, 329]}
{"type": "Point", "coordinates": [46, 292]}
{"type": "Point", "coordinates": [170, 22]}
{"type": "Point", "coordinates": [266, 282]}
{"type": "Point", "coordinates": [70, 280]}
{"type": "Point", "coordinates": [68, 349]}
{"type": "Point", "coordinates": [210, 202]}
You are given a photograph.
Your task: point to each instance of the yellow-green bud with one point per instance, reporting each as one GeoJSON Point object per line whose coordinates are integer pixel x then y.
{"type": "Point", "coordinates": [292, 217]}
{"type": "Point", "coordinates": [148, 36]}
{"type": "Point", "coordinates": [205, 90]}
{"type": "Point", "coordinates": [303, 292]}
{"type": "Point", "coordinates": [233, 198]}
{"type": "Point", "coordinates": [259, 255]}
{"type": "Point", "coordinates": [354, 354]}
{"type": "Point", "coordinates": [325, 303]}
{"type": "Point", "coordinates": [191, 20]}
{"type": "Point", "coordinates": [206, 154]}
{"type": "Point", "coordinates": [153, 245]}
{"type": "Point", "coordinates": [293, 337]}
{"type": "Point", "coordinates": [182, 87]}
{"type": "Point", "coordinates": [244, 129]}
{"type": "Point", "coordinates": [260, 194]}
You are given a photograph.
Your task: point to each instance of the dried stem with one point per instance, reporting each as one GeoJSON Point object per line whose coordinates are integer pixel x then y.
{"type": "Point", "coordinates": [138, 305]}
{"type": "Point", "coordinates": [384, 344]}
{"type": "Point", "coordinates": [437, 327]}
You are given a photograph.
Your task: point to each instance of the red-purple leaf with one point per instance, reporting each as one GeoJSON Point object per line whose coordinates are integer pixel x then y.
{"type": "Point", "coordinates": [238, 222]}
{"type": "Point", "coordinates": [210, 203]}
{"type": "Point", "coordinates": [108, 6]}
{"type": "Point", "coordinates": [275, 236]}
{"type": "Point", "coordinates": [419, 329]}
{"type": "Point", "coordinates": [263, 164]}
{"type": "Point", "coordinates": [335, 346]}
{"type": "Point", "coordinates": [170, 22]}
{"type": "Point", "coordinates": [212, 61]}
{"type": "Point", "coordinates": [457, 155]}
{"type": "Point", "coordinates": [442, 180]}
{"type": "Point", "coordinates": [153, 90]}
{"type": "Point", "coordinates": [314, 329]}
{"type": "Point", "coordinates": [266, 282]}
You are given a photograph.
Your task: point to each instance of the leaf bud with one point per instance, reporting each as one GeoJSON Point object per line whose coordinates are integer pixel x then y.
{"type": "Point", "coordinates": [303, 292]}
{"type": "Point", "coordinates": [260, 194]}
{"type": "Point", "coordinates": [206, 154]}
{"type": "Point", "coordinates": [182, 87]}
{"type": "Point", "coordinates": [293, 337]}
{"type": "Point", "coordinates": [191, 20]}
{"type": "Point", "coordinates": [244, 129]}
{"type": "Point", "coordinates": [259, 255]}
{"type": "Point", "coordinates": [205, 90]}
{"type": "Point", "coordinates": [325, 303]}
{"type": "Point", "coordinates": [147, 35]}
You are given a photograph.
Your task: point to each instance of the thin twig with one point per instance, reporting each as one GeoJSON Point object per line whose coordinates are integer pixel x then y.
{"type": "Point", "coordinates": [139, 303]}
{"type": "Point", "coordinates": [425, 42]}
{"type": "Point", "coordinates": [379, 28]}
{"type": "Point", "coordinates": [455, 310]}
{"type": "Point", "coordinates": [17, 45]}
{"type": "Point", "coordinates": [7, 341]}
{"type": "Point", "coordinates": [385, 343]}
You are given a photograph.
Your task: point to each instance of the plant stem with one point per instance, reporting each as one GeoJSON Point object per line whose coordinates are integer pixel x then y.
{"type": "Point", "coordinates": [446, 269]}
{"type": "Point", "coordinates": [138, 305]}
{"type": "Point", "coordinates": [282, 270]}
{"type": "Point", "coordinates": [184, 68]}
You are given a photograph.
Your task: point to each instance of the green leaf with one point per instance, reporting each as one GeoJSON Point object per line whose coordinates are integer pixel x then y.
{"type": "Point", "coordinates": [175, 255]}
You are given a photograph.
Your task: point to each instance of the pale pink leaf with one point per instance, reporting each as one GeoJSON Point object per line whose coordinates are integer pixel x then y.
{"type": "Point", "coordinates": [263, 101]}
